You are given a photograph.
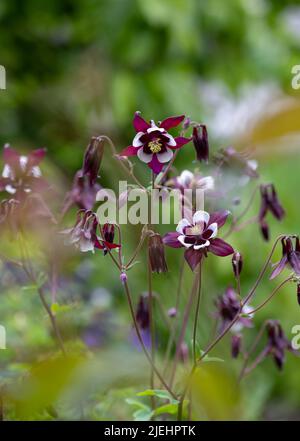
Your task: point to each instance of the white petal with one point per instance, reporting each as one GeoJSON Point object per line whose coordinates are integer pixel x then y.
{"type": "Point", "coordinates": [183, 223]}
{"type": "Point", "coordinates": [10, 189]}
{"type": "Point", "coordinates": [185, 178]}
{"type": "Point", "coordinates": [136, 140]}
{"type": "Point", "coordinates": [23, 162]}
{"type": "Point", "coordinates": [36, 171]}
{"type": "Point", "coordinates": [144, 156]}
{"type": "Point", "coordinates": [86, 245]}
{"type": "Point", "coordinates": [154, 127]}
{"type": "Point", "coordinates": [201, 216]}
{"type": "Point", "coordinates": [206, 244]}
{"type": "Point", "coordinates": [206, 183]}
{"type": "Point", "coordinates": [7, 171]}
{"type": "Point", "coordinates": [165, 156]}
{"type": "Point", "coordinates": [247, 309]}
{"type": "Point", "coordinates": [214, 229]}
{"type": "Point", "coordinates": [181, 240]}
{"type": "Point", "coordinates": [171, 141]}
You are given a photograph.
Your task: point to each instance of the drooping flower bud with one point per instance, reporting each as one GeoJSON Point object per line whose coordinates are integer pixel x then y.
{"type": "Point", "coordinates": [264, 228]}
{"type": "Point", "coordinates": [92, 158]}
{"type": "Point", "coordinates": [237, 264]}
{"type": "Point", "coordinates": [200, 141]}
{"type": "Point", "coordinates": [157, 254]}
{"type": "Point", "coordinates": [236, 342]}
{"type": "Point", "coordinates": [142, 313]}
{"type": "Point", "coordinates": [274, 204]}
{"type": "Point", "coordinates": [123, 277]}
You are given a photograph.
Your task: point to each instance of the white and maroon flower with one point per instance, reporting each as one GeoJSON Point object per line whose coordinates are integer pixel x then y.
{"type": "Point", "coordinates": [153, 144]}
{"type": "Point", "coordinates": [199, 237]}
{"type": "Point", "coordinates": [190, 181]}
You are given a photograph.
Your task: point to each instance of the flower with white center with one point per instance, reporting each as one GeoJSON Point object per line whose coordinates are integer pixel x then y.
{"type": "Point", "coordinates": [198, 236]}
{"type": "Point", "coordinates": [153, 144]}
{"type": "Point", "coordinates": [190, 181]}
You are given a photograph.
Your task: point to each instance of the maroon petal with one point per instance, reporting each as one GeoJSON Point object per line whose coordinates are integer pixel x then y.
{"type": "Point", "coordinates": [279, 267]}
{"type": "Point", "coordinates": [11, 156]}
{"type": "Point", "coordinates": [173, 121]}
{"type": "Point", "coordinates": [220, 248]}
{"type": "Point", "coordinates": [139, 123]}
{"type": "Point", "coordinates": [35, 157]}
{"type": "Point", "coordinates": [129, 151]}
{"type": "Point", "coordinates": [171, 239]}
{"type": "Point", "coordinates": [219, 217]}
{"type": "Point", "coordinates": [193, 257]}
{"type": "Point", "coordinates": [180, 141]}
{"type": "Point", "coordinates": [155, 165]}
{"type": "Point", "coordinates": [294, 261]}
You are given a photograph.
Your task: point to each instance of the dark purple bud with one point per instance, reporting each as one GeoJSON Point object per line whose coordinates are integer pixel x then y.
{"type": "Point", "coordinates": [186, 123]}
{"type": "Point", "coordinates": [184, 352]}
{"type": "Point", "coordinates": [142, 313]}
{"type": "Point", "coordinates": [92, 158]}
{"type": "Point", "coordinates": [123, 277]}
{"type": "Point", "coordinates": [236, 342]}
{"type": "Point", "coordinates": [297, 247]}
{"type": "Point", "coordinates": [264, 202]}
{"type": "Point", "coordinates": [264, 228]}
{"type": "Point", "coordinates": [157, 254]}
{"type": "Point", "coordinates": [172, 312]}
{"type": "Point", "coordinates": [237, 264]}
{"type": "Point", "coordinates": [200, 141]}
{"type": "Point", "coordinates": [274, 204]}
{"type": "Point", "coordinates": [298, 293]}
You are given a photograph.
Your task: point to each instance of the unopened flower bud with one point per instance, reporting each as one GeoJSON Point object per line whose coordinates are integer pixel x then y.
{"type": "Point", "coordinates": [237, 264]}
{"type": "Point", "coordinates": [298, 293]}
{"type": "Point", "coordinates": [172, 312]}
{"type": "Point", "coordinates": [142, 313]}
{"type": "Point", "coordinates": [123, 277]}
{"type": "Point", "coordinates": [92, 158]}
{"type": "Point", "coordinates": [200, 141]}
{"type": "Point", "coordinates": [236, 342]}
{"type": "Point", "coordinates": [157, 254]}
{"type": "Point", "coordinates": [264, 228]}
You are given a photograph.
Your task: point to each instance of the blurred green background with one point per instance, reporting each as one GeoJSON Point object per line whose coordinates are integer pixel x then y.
{"type": "Point", "coordinates": [83, 67]}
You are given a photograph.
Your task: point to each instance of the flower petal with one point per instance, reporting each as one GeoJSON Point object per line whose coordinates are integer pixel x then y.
{"type": "Point", "coordinates": [279, 268]}
{"type": "Point", "coordinates": [139, 123]}
{"type": "Point", "coordinates": [220, 248]}
{"type": "Point", "coordinates": [203, 245]}
{"type": "Point", "coordinates": [171, 142]}
{"type": "Point", "coordinates": [129, 151]}
{"type": "Point", "coordinates": [136, 140]}
{"type": "Point", "coordinates": [181, 141]}
{"type": "Point", "coordinates": [35, 157]}
{"type": "Point", "coordinates": [155, 165]}
{"type": "Point", "coordinates": [181, 225]}
{"type": "Point", "coordinates": [193, 258]}
{"type": "Point", "coordinates": [10, 156]}
{"type": "Point", "coordinates": [172, 121]}
{"type": "Point", "coordinates": [166, 156]}
{"type": "Point", "coordinates": [171, 240]}
{"type": "Point", "coordinates": [219, 217]}
{"type": "Point", "coordinates": [144, 157]}
{"type": "Point", "coordinates": [185, 178]}
{"type": "Point", "coordinates": [201, 217]}
{"type": "Point", "coordinates": [181, 239]}
{"type": "Point", "coordinates": [211, 231]}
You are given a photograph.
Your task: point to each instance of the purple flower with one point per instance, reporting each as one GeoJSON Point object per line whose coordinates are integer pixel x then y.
{"type": "Point", "coordinates": [107, 242]}
{"type": "Point", "coordinates": [290, 257]}
{"type": "Point", "coordinates": [84, 233]}
{"type": "Point", "coordinates": [199, 237]}
{"type": "Point", "coordinates": [236, 342]}
{"type": "Point", "coordinates": [83, 193]}
{"type": "Point", "coordinates": [269, 202]}
{"type": "Point", "coordinates": [153, 144]}
{"type": "Point", "coordinates": [277, 343]}
{"type": "Point", "coordinates": [200, 141]}
{"type": "Point", "coordinates": [21, 174]}
{"type": "Point", "coordinates": [190, 181]}
{"type": "Point", "coordinates": [157, 254]}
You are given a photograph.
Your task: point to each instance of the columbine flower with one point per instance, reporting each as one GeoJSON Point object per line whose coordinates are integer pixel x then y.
{"type": "Point", "coordinates": [107, 242]}
{"type": "Point", "coordinates": [228, 306]}
{"type": "Point", "coordinates": [84, 233]}
{"type": "Point", "coordinates": [200, 141]}
{"type": "Point", "coordinates": [290, 257]}
{"type": "Point", "coordinates": [153, 144]}
{"type": "Point", "coordinates": [188, 180]}
{"type": "Point", "coordinates": [269, 202]}
{"type": "Point", "coordinates": [236, 343]}
{"type": "Point", "coordinates": [21, 174]}
{"type": "Point", "coordinates": [92, 159]}
{"type": "Point", "coordinates": [199, 237]}
{"type": "Point", "coordinates": [142, 316]}
{"type": "Point", "coordinates": [83, 193]}
{"type": "Point", "coordinates": [277, 343]}
{"type": "Point", "coordinates": [157, 254]}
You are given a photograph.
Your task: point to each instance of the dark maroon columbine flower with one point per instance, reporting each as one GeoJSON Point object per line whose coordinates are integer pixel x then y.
{"type": "Point", "coordinates": [200, 141]}
{"type": "Point", "coordinates": [228, 305]}
{"type": "Point", "coordinates": [236, 342]}
{"type": "Point", "coordinates": [92, 159]}
{"type": "Point", "coordinates": [142, 313]}
{"type": "Point", "coordinates": [277, 343]}
{"type": "Point", "coordinates": [199, 237]}
{"type": "Point", "coordinates": [107, 242]}
{"type": "Point", "coordinates": [237, 264]}
{"type": "Point", "coordinates": [290, 257]}
{"type": "Point", "coordinates": [269, 202]}
{"type": "Point", "coordinates": [21, 174]}
{"type": "Point", "coordinates": [84, 233]}
{"type": "Point", "coordinates": [153, 144]}
{"type": "Point", "coordinates": [157, 254]}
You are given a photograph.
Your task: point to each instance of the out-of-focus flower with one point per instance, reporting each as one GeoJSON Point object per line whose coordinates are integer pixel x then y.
{"type": "Point", "coordinates": [228, 305]}
{"type": "Point", "coordinates": [229, 157]}
{"type": "Point", "coordinates": [9, 216]}
{"type": "Point", "coordinates": [153, 144]}
{"type": "Point", "coordinates": [172, 312]}
{"type": "Point", "coordinates": [107, 242]}
{"type": "Point", "coordinates": [184, 352]}
{"type": "Point", "coordinates": [123, 277]}
{"type": "Point", "coordinates": [92, 159]}
{"type": "Point", "coordinates": [237, 264]}
{"type": "Point", "coordinates": [200, 141]}
{"type": "Point", "coordinates": [142, 312]}
{"type": "Point", "coordinates": [277, 344]}
{"type": "Point", "coordinates": [188, 180]}
{"type": "Point", "coordinates": [269, 202]}
{"type": "Point", "coordinates": [290, 257]}
{"type": "Point", "coordinates": [84, 233]}
{"type": "Point", "coordinates": [83, 193]}
{"type": "Point", "coordinates": [264, 228]}
{"type": "Point", "coordinates": [156, 250]}
{"type": "Point", "coordinates": [236, 342]}
{"type": "Point", "coordinates": [199, 237]}
{"type": "Point", "coordinates": [21, 174]}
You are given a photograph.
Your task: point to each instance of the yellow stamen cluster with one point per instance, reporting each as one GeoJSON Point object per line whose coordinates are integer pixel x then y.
{"type": "Point", "coordinates": [155, 146]}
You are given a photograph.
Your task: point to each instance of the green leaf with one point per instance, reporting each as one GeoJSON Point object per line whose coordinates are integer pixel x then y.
{"type": "Point", "coordinates": [138, 404]}
{"type": "Point", "coordinates": [159, 393]}
{"type": "Point", "coordinates": [210, 359]}
{"type": "Point", "coordinates": [171, 408]}
{"type": "Point", "coordinates": [143, 415]}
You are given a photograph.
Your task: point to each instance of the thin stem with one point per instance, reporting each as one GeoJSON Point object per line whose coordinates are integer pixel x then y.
{"type": "Point", "coordinates": [142, 342]}
{"type": "Point", "coordinates": [152, 327]}
{"type": "Point", "coordinates": [271, 295]}
{"type": "Point", "coordinates": [197, 314]}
